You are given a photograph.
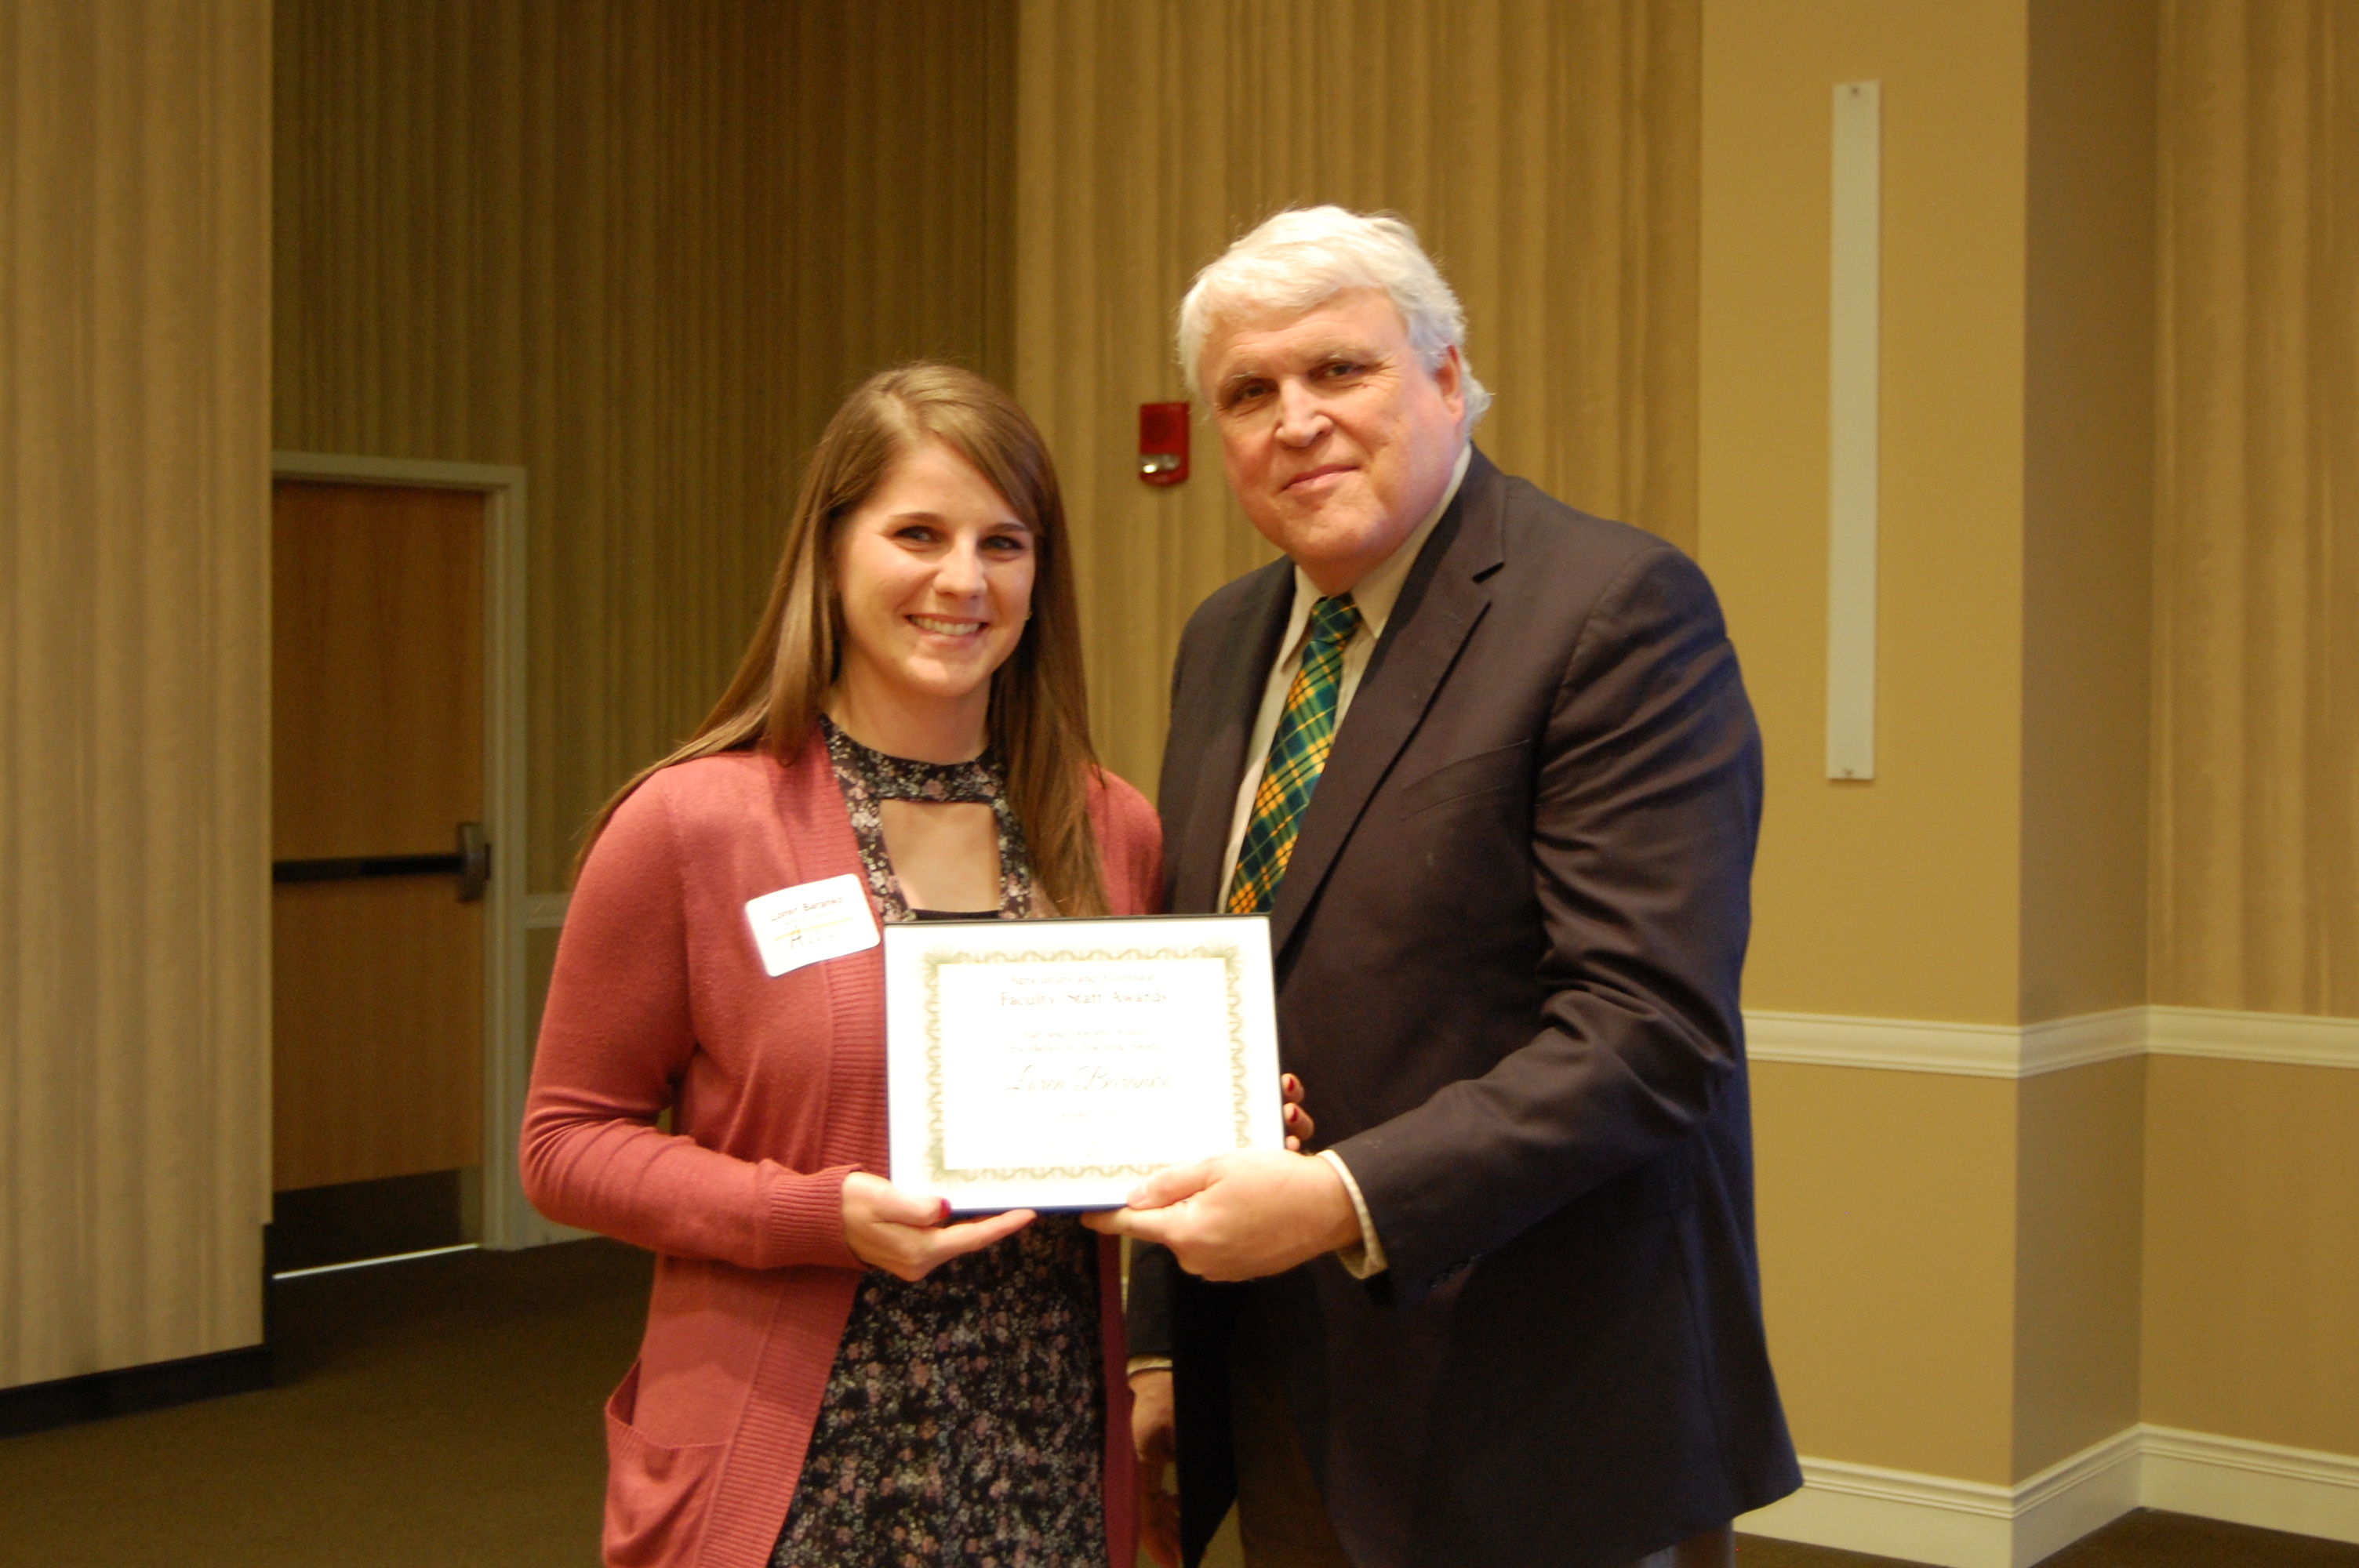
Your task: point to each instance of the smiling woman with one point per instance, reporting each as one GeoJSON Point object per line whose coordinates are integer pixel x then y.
{"type": "Point", "coordinates": [914, 456]}
{"type": "Point", "coordinates": [934, 576]}
{"type": "Point", "coordinates": [907, 736]}
{"type": "Point", "coordinates": [935, 581]}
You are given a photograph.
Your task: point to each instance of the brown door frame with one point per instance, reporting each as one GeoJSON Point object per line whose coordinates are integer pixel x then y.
{"type": "Point", "coordinates": [509, 910]}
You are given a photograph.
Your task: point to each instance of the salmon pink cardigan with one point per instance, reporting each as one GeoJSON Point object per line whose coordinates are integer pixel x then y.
{"type": "Point", "coordinates": [777, 1089]}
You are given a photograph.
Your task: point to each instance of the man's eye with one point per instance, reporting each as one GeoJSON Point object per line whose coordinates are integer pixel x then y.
{"type": "Point", "coordinates": [1243, 393]}
{"type": "Point", "coordinates": [1339, 370]}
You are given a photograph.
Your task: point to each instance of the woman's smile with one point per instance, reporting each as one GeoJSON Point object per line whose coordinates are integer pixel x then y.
{"type": "Point", "coordinates": [934, 577]}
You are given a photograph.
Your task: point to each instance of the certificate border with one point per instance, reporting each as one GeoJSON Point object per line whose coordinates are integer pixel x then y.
{"type": "Point", "coordinates": [943, 1174]}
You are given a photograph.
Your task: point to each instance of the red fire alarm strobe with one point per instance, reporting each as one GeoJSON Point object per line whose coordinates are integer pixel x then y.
{"type": "Point", "coordinates": [1162, 443]}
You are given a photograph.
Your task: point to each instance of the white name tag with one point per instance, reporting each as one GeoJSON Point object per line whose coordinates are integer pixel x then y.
{"type": "Point", "coordinates": [798, 925]}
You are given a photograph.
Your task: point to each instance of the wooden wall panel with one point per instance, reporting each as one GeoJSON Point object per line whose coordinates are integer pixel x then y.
{"type": "Point", "coordinates": [135, 804]}
{"type": "Point", "coordinates": [2255, 829]}
{"type": "Point", "coordinates": [1547, 153]}
{"type": "Point", "coordinates": [641, 250]}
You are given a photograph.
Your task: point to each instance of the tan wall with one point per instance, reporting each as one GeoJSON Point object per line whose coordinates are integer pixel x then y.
{"type": "Point", "coordinates": [1545, 154]}
{"type": "Point", "coordinates": [135, 584]}
{"type": "Point", "coordinates": [2088, 506]}
{"type": "Point", "coordinates": [2079, 1184]}
{"type": "Point", "coordinates": [642, 251]}
{"type": "Point", "coordinates": [2252, 1216]}
{"type": "Point", "coordinates": [2088, 416]}
{"type": "Point", "coordinates": [1951, 1266]}
{"type": "Point", "coordinates": [1887, 1219]}
{"type": "Point", "coordinates": [1896, 898]}
{"type": "Point", "coordinates": [2257, 547]}
{"type": "Point", "coordinates": [2252, 1251]}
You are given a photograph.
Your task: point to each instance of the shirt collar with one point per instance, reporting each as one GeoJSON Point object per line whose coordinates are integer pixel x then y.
{"type": "Point", "coordinates": [1378, 592]}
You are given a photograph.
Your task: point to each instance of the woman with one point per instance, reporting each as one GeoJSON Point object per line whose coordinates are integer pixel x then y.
{"type": "Point", "coordinates": [830, 1374]}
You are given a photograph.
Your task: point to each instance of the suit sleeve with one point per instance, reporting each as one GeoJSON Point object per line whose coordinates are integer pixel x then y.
{"type": "Point", "coordinates": [1148, 1311]}
{"type": "Point", "coordinates": [1647, 801]}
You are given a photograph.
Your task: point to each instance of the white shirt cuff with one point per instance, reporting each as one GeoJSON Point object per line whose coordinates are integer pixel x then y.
{"type": "Point", "coordinates": [1365, 1258]}
{"type": "Point", "coordinates": [1147, 1364]}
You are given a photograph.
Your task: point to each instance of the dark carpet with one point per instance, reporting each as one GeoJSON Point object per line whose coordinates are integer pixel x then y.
{"type": "Point", "coordinates": [2143, 1538]}
{"type": "Point", "coordinates": [445, 1413]}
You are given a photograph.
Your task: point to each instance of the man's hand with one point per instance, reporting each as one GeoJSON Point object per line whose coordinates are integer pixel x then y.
{"type": "Point", "coordinates": [1153, 1433]}
{"type": "Point", "coordinates": [905, 1234]}
{"type": "Point", "coordinates": [1240, 1216]}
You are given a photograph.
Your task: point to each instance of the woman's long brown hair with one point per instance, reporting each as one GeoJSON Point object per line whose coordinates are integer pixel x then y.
{"type": "Point", "coordinates": [1040, 722]}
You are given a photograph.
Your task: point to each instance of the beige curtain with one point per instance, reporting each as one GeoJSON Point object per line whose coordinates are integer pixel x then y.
{"type": "Point", "coordinates": [2257, 614]}
{"type": "Point", "coordinates": [1547, 153]}
{"type": "Point", "coordinates": [135, 934]}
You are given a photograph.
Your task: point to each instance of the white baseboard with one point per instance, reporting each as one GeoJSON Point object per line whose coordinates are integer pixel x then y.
{"type": "Point", "coordinates": [1894, 1513]}
{"type": "Point", "coordinates": [2084, 1493]}
{"type": "Point", "coordinates": [2262, 1484]}
{"type": "Point", "coordinates": [1975, 1524]}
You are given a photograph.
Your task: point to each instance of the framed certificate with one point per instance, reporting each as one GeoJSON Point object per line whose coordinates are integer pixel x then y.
{"type": "Point", "coordinates": [1053, 1063]}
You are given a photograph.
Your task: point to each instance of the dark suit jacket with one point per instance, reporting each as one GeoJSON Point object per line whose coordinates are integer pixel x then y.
{"type": "Point", "coordinates": [1508, 946]}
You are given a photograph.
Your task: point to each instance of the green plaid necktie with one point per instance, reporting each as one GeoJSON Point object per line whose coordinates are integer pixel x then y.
{"type": "Point", "coordinates": [1305, 733]}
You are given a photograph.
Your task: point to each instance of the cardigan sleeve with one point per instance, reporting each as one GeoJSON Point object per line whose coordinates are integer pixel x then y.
{"type": "Point", "coordinates": [615, 1037]}
{"type": "Point", "coordinates": [1130, 846]}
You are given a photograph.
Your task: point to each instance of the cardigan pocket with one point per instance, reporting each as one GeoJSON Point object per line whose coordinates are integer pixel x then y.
{"type": "Point", "coordinates": [657, 1494]}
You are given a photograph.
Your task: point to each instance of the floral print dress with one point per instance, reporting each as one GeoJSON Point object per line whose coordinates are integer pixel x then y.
{"type": "Point", "coordinates": [963, 1420]}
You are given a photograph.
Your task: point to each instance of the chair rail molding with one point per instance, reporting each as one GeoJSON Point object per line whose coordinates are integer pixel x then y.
{"type": "Point", "coordinates": [2003, 1051]}
{"type": "Point", "coordinates": [2292, 1039]}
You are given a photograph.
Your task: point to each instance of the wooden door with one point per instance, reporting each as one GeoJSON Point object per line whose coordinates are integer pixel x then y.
{"type": "Point", "coordinates": [378, 730]}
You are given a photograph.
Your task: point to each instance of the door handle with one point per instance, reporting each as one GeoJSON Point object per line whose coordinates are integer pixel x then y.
{"type": "Point", "coordinates": [472, 864]}
{"type": "Point", "coordinates": [474, 861]}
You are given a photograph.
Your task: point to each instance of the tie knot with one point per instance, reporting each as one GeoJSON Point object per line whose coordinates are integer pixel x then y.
{"type": "Point", "coordinates": [1334, 620]}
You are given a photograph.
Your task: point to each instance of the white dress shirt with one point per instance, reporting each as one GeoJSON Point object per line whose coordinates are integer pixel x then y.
{"type": "Point", "coordinates": [1376, 595]}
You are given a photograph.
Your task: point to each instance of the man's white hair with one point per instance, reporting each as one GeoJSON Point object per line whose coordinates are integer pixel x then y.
{"type": "Point", "coordinates": [1303, 258]}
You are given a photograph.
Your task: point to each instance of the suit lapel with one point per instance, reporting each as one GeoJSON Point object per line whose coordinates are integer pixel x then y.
{"type": "Point", "coordinates": [1439, 603]}
{"type": "Point", "coordinates": [1217, 732]}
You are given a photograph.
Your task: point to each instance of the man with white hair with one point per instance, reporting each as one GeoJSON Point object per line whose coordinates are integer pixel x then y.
{"type": "Point", "coordinates": [1488, 765]}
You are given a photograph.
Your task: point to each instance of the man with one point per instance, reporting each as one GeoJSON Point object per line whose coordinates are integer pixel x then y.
{"type": "Point", "coordinates": [1488, 765]}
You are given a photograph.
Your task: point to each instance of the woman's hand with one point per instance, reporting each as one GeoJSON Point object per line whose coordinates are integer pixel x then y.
{"type": "Point", "coordinates": [906, 1235]}
{"type": "Point", "coordinates": [1299, 1128]}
